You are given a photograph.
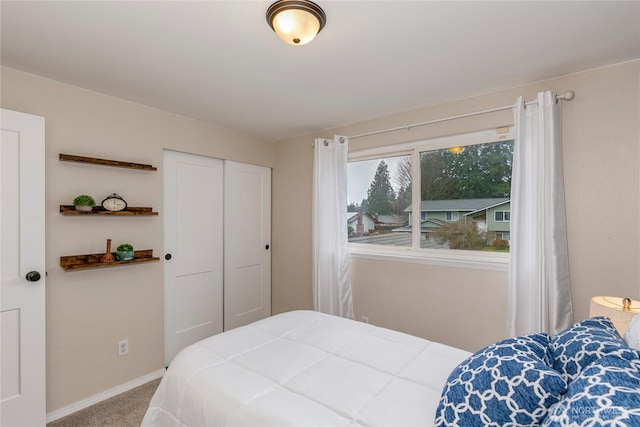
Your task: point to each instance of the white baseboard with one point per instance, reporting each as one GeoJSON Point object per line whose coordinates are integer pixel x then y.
{"type": "Point", "coordinates": [85, 403]}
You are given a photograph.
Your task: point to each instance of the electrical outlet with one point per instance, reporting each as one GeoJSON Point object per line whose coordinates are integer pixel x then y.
{"type": "Point", "coordinates": [123, 347]}
{"type": "Point", "coordinates": [365, 319]}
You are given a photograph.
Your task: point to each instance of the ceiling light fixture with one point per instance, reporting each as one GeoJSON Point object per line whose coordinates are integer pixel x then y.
{"type": "Point", "coordinates": [296, 22]}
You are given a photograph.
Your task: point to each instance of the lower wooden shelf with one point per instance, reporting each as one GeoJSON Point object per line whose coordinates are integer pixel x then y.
{"type": "Point", "coordinates": [89, 261]}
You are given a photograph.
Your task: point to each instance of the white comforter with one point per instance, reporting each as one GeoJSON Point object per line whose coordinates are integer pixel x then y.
{"type": "Point", "coordinates": [304, 368]}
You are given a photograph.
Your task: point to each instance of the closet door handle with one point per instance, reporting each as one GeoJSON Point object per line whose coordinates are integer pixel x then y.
{"type": "Point", "coordinates": [167, 257]}
{"type": "Point", "coordinates": [267, 247]}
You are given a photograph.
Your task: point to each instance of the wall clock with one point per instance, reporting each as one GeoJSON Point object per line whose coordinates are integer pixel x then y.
{"type": "Point", "coordinates": [114, 203]}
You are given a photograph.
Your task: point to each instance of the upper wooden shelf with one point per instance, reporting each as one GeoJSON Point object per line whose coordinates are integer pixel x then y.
{"type": "Point", "coordinates": [97, 210]}
{"type": "Point", "coordinates": [106, 162]}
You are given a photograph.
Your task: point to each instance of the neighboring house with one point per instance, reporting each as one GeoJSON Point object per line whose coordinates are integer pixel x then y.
{"type": "Point", "coordinates": [492, 215]}
{"type": "Point", "coordinates": [496, 219]}
{"type": "Point", "coordinates": [368, 222]}
{"type": "Point", "coordinates": [389, 222]}
{"type": "Point", "coordinates": [375, 223]}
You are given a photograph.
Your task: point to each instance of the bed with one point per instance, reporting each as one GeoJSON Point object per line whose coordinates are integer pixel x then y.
{"type": "Point", "coordinates": [306, 368]}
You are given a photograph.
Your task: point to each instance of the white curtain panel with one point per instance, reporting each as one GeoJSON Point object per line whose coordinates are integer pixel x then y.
{"type": "Point", "coordinates": [539, 285]}
{"type": "Point", "coordinates": [331, 267]}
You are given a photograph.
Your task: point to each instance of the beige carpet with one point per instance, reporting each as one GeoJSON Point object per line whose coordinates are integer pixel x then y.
{"type": "Point", "coordinates": [124, 410]}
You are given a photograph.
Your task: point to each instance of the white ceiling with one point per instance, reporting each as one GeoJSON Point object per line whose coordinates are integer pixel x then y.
{"type": "Point", "coordinates": [219, 61]}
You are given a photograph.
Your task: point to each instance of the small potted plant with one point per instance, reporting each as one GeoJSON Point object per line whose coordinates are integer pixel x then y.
{"type": "Point", "coordinates": [84, 203]}
{"type": "Point", "coordinates": [124, 252]}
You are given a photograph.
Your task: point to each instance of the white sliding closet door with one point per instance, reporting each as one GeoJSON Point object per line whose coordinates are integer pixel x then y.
{"type": "Point", "coordinates": [217, 231]}
{"type": "Point", "coordinates": [193, 244]}
{"type": "Point", "coordinates": [247, 225]}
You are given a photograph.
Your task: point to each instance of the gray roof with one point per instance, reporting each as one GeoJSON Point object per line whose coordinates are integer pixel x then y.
{"type": "Point", "coordinates": [458, 205]}
{"type": "Point", "coordinates": [391, 219]}
{"type": "Point", "coordinates": [395, 239]}
{"type": "Point", "coordinates": [488, 207]}
{"type": "Point", "coordinates": [427, 225]}
{"type": "Point", "coordinates": [351, 215]}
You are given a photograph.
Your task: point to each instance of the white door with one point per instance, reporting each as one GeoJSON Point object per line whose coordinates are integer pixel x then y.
{"type": "Point", "coordinates": [193, 242]}
{"type": "Point", "coordinates": [22, 270]}
{"type": "Point", "coordinates": [247, 279]}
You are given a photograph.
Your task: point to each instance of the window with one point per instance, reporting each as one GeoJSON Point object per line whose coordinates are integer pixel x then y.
{"type": "Point", "coordinates": [460, 181]}
{"type": "Point", "coordinates": [503, 236]}
{"type": "Point", "coordinates": [502, 216]}
{"type": "Point", "coordinates": [451, 216]}
{"type": "Point", "coordinates": [379, 190]}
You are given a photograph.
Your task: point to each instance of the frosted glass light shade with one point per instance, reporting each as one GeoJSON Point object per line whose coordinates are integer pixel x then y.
{"type": "Point", "coordinates": [612, 307]}
{"type": "Point", "coordinates": [296, 22]}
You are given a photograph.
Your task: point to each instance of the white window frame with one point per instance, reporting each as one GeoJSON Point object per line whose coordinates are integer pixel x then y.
{"type": "Point", "coordinates": [453, 216]}
{"type": "Point", "coordinates": [479, 260]}
{"type": "Point", "coordinates": [500, 235]}
{"type": "Point", "coordinates": [503, 215]}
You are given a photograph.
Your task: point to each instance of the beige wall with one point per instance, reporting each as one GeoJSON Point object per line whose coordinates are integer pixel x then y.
{"type": "Point", "coordinates": [88, 312]}
{"type": "Point", "coordinates": [467, 308]}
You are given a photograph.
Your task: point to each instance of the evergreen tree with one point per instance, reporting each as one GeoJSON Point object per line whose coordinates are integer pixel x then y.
{"type": "Point", "coordinates": [480, 171]}
{"type": "Point", "coordinates": [364, 205]}
{"type": "Point", "coordinates": [403, 201]}
{"type": "Point", "coordinates": [435, 180]}
{"type": "Point", "coordinates": [380, 196]}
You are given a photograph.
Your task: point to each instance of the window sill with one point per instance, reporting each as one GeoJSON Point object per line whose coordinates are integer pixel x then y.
{"type": "Point", "coordinates": [475, 260]}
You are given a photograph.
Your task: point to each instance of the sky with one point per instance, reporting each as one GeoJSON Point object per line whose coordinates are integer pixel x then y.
{"type": "Point", "coordinates": [360, 174]}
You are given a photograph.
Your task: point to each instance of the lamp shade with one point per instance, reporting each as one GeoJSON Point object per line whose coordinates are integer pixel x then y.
{"type": "Point", "coordinates": [614, 308]}
{"type": "Point", "coordinates": [296, 22]}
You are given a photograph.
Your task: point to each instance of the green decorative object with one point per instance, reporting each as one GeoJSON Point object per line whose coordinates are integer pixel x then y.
{"type": "Point", "coordinates": [84, 203]}
{"type": "Point", "coordinates": [124, 252]}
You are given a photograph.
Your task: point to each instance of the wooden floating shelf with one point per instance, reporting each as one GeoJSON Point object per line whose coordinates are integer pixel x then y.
{"type": "Point", "coordinates": [86, 262]}
{"type": "Point", "coordinates": [98, 210]}
{"type": "Point", "coordinates": [106, 162]}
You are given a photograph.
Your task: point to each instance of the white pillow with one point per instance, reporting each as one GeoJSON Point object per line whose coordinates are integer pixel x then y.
{"type": "Point", "coordinates": [632, 335]}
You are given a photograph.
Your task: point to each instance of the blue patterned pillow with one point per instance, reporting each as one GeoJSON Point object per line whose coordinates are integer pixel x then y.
{"type": "Point", "coordinates": [507, 383]}
{"type": "Point", "coordinates": [578, 346]}
{"type": "Point", "coordinates": [607, 392]}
